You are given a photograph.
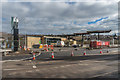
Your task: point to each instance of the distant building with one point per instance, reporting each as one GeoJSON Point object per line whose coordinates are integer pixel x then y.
{"type": "Point", "coordinates": [51, 40]}
{"type": "Point", "coordinates": [2, 43]}
{"type": "Point", "coordinates": [32, 40]}
{"type": "Point", "coordinates": [41, 39]}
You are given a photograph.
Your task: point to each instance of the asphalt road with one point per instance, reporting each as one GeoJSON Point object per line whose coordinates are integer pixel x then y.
{"type": "Point", "coordinates": [64, 52]}
{"type": "Point", "coordinates": [92, 65]}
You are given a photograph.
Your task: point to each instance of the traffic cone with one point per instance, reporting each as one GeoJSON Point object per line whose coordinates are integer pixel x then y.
{"type": "Point", "coordinates": [28, 49]}
{"type": "Point", "coordinates": [101, 51]}
{"type": "Point", "coordinates": [53, 55]}
{"type": "Point", "coordinates": [33, 56]}
{"type": "Point", "coordinates": [25, 48]}
{"type": "Point", "coordinates": [84, 52]}
{"type": "Point", "coordinates": [72, 54]}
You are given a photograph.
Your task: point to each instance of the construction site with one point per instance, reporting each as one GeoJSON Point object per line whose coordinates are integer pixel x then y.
{"type": "Point", "coordinates": [65, 52]}
{"type": "Point", "coordinates": [67, 44]}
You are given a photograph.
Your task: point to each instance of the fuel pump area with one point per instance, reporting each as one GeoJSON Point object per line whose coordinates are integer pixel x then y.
{"type": "Point", "coordinates": [77, 55]}
{"type": "Point", "coordinates": [62, 56]}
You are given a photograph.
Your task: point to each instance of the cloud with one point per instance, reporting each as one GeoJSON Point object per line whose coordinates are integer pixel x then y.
{"type": "Point", "coordinates": [59, 0]}
{"type": "Point", "coordinates": [70, 3]}
{"type": "Point", "coordinates": [59, 17]}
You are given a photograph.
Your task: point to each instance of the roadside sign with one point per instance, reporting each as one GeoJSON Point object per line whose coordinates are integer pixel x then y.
{"type": "Point", "coordinates": [40, 42]}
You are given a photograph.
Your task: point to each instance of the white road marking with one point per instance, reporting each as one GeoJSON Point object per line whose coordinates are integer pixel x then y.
{"type": "Point", "coordinates": [105, 73]}
{"type": "Point", "coordinates": [67, 65]}
{"type": "Point", "coordinates": [9, 69]}
{"type": "Point", "coordinates": [29, 71]}
{"type": "Point", "coordinates": [62, 66]}
{"type": "Point", "coordinates": [98, 61]}
{"type": "Point", "coordinates": [37, 70]}
{"type": "Point", "coordinates": [22, 59]}
{"type": "Point", "coordinates": [115, 51]}
{"type": "Point", "coordinates": [9, 60]}
{"type": "Point", "coordinates": [82, 64]}
{"type": "Point", "coordinates": [55, 67]}
{"type": "Point", "coordinates": [34, 66]}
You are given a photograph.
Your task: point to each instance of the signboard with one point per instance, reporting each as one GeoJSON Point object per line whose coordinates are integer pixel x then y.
{"type": "Point", "coordinates": [40, 42]}
{"type": "Point", "coordinates": [14, 19]}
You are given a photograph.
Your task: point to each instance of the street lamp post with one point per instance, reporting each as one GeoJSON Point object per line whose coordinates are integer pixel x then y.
{"type": "Point", "coordinates": [114, 37]}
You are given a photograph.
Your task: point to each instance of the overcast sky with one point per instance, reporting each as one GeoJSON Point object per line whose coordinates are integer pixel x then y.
{"type": "Point", "coordinates": [61, 17]}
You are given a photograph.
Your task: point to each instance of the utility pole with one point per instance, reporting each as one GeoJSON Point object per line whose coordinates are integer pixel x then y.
{"type": "Point", "coordinates": [82, 40]}
{"type": "Point", "coordinates": [46, 40]}
{"type": "Point", "coordinates": [98, 36]}
{"type": "Point", "coordinates": [25, 41]}
{"type": "Point", "coordinates": [114, 37]}
{"type": "Point", "coordinates": [113, 41]}
{"type": "Point", "coordinates": [19, 41]}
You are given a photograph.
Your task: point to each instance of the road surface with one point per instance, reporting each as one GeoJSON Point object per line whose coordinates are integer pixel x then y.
{"type": "Point", "coordinates": [91, 65]}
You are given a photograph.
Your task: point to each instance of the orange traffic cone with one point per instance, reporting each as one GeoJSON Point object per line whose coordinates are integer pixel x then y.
{"type": "Point", "coordinates": [28, 49]}
{"type": "Point", "coordinates": [33, 56]}
{"type": "Point", "coordinates": [72, 54]}
{"type": "Point", "coordinates": [84, 52]}
{"type": "Point", "coordinates": [101, 51]}
{"type": "Point", "coordinates": [53, 55]}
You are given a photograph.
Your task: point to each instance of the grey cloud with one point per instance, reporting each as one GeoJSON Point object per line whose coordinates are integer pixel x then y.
{"type": "Point", "coordinates": [40, 17]}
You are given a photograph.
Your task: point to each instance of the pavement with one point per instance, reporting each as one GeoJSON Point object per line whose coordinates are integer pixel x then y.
{"type": "Point", "coordinates": [91, 65]}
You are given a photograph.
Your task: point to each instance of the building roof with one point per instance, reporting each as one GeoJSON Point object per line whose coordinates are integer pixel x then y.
{"type": "Point", "coordinates": [80, 33]}
{"type": "Point", "coordinates": [98, 31]}
{"type": "Point", "coordinates": [52, 37]}
{"type": "Point", "coordinates": [34, 35]}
